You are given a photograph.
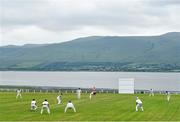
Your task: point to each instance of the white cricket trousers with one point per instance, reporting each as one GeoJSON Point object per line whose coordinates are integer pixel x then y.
{"type": "Point", "coordinates": [168, 98]}
{"type": "Point", "coordinates": [45, 107]}
{"type": "Point", "coordinates": [78, 95]}
{"type": "Point", "coordinates": [69, 107]}
{"type": "Point", "coordinates": [18, 95]}
{"type": "Point", "coordinates": [33, 107]}
{"type": "Point", "coordinates": [90, 96]}
{"type": "Point", "coordinates": [151, 94]}
{"type": "Point", "coordinates": [59, 101]}
{"type": "Point", "coordinates": [139, 106]}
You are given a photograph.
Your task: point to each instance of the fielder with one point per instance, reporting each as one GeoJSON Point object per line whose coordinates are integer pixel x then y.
{"type": "Point", "coordinates": [168, 96]}
{"type": "Point", "coordinates": [33, 105]}
{"type": "Point", "coordinates": [151, 92]}
{"type": "Point", "coordinates": [18, 93]}
{"type": "Point", "coordinates": [59, 99]}
{"type": "Point", "coordinates": [92, 93]}
{"type": "Point", "coordinates": [45, 105]}
{"type": "Point", "coordinates": [139, 104]}
{"type": "Point", "coordinates": [78, 91]}
{"type": "Point", "coordinates": [69, 106]}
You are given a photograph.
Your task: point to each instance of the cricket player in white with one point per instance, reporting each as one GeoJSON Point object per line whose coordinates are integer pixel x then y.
{"type": "Point", "coordinates": [59, 98]}
{"type": "Point", "coordinates": [69, 106]}
{"type": "Point", "coordinates": [33, 105]}
{"type": "Point", "coordinates": [168, 96]}
{"type": "Point", "coordinates": [92, 93]}
{"type": "Point", "coordinates": [151, 92]}
{"type": "Point", "coordinates": [78, 93]}
{"type": "Point", "coordinates": [45, 105]}
{"type": "Point", "coordinates": [18, 93]}
{"type": "Point", "coordinates": [139, 104]}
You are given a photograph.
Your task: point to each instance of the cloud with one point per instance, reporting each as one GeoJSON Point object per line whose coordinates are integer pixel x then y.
{"type": "Point", "coordinates": [163, 2]}
{"type": "Point", "coordinates": [49, 21]}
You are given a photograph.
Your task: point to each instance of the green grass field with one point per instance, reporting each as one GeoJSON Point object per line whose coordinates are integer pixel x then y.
{"type": "Point", "coordinates": [103, 107]}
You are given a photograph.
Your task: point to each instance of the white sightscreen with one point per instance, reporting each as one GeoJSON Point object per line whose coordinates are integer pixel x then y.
{"type": "Point", "coordinates": [126, 85]}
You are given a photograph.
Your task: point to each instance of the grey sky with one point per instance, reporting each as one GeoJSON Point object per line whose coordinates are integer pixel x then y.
{"type": "Point", "coordinates": [52, 21]}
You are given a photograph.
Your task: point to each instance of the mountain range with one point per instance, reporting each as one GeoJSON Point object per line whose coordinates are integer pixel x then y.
{"type": "Point", "coordinates": [97, 53]}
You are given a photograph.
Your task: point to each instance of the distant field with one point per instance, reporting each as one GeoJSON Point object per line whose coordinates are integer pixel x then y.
{"type": "Point", "coordinates": [103, 107]}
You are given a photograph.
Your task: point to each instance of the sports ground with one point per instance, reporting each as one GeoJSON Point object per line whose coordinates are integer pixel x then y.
{"type": "Point", "coordinates": [102, 107]}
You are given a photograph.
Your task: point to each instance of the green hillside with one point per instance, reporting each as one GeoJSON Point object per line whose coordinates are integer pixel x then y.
{"type": "Point", "coordinates": [125, 52]}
